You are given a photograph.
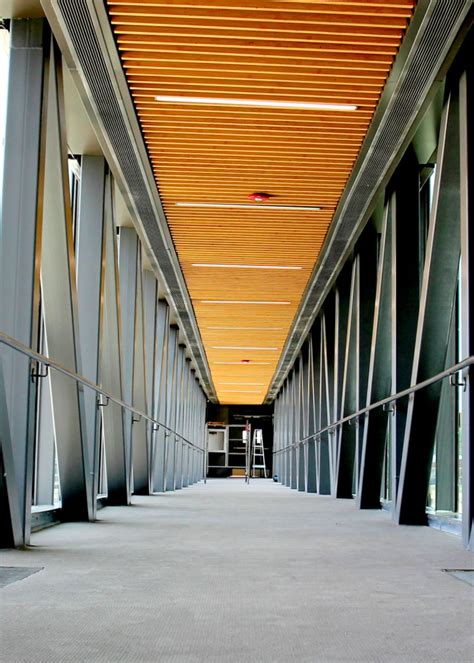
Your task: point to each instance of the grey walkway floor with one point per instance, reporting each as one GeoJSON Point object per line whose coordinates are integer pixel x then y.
{"type": "Point", "coordinates": [229, 572]}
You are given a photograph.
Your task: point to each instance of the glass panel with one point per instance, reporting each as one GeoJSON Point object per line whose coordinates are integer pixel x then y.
{"type": "Point", "coordinates": [56, 484]}
{"type": "Point", "coordinates": [459, 404]}
{"type": "Point", "coordinates": [459, 464]}
{"type": "Point", "coordinates": [46, 484]}
{"type": "Point", "coordinates": [102, 489]}
{"type": "Point", "coordinates": [4, 60]}
{"type": "Point", "coordinates": [445, 491]}
{"type": "Point", "coordinates": [386, 492]}
{"type": "Point", "coordinates": [431, 501]}
{"type": "Point", "coordinates": [426, 200]}
{"type": "Point", "coordinates": [74, 170]}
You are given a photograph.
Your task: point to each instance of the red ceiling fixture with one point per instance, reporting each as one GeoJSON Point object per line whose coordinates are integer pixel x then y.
{"type": "Point", "coordinates": [259, 196]}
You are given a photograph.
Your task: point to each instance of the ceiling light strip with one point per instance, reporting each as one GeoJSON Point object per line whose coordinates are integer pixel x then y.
{"type": "Point", "coordinates": [244, 384]}
{"type": "Point", "coordinates": [295, 208]}
{"type": "Point", "coordinates": [240, 363]}
{"type": "Point", "coordinates": [247, 328]}
{"type": "Point", "coordinates": [240, 391]}
{"type": "Point", "coordinates": [208, 264]}
{"type": "Point", "coordinates": [241, 301]}
{"type": "Point", "coordinates": [241, 347]}
{"type": "Point", "coordinates": [261, 103]}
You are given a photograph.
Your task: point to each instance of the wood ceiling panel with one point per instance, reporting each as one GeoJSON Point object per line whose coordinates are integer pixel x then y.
{"type": "Point", "coordinates": [371, 7]}
{"type": "Point", "coordinates": [280, 51]}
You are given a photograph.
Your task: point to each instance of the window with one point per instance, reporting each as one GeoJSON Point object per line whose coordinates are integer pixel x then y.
{"type": "Point", "coordinates": [74, 170]}
{"type": "Point", "coordinates": [46, 480]}
{"type": "Point", "coordinates": [427, 180]}
{"type": "Point", "coordinates": [4, 61]}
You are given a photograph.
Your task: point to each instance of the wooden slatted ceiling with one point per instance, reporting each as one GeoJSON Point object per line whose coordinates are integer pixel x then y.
{"type": "Point", "coordinates": [301, 50]}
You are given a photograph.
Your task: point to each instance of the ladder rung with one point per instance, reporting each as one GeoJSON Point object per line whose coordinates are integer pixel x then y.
{"type": "Point", "coordinates": [258, 453]}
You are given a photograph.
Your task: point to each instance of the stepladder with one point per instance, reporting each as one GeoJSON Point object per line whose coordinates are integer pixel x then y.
{"type": "Point", "coordinates": [258, 455]}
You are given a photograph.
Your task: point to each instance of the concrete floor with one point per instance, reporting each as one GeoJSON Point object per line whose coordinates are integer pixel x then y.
{"type": "Point", "coordinates": [229, 572]}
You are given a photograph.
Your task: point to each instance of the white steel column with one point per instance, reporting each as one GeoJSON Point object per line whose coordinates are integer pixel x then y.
{"type": "Point", "coordinates": [187, 434]}
{"type": "Point", "coordinates": [117, 461]}
{"type": "Point", "coordinates": [150, 291]}
{"type": "Point", "coordinates": [467, 290]}
{"type": "Point", "coordinates": [20, 246]}
{"type": "Point", "coordinates": [59, 302]}
{"type": "Point", "coordinates": [90, 259]}
{"type": "Point", "coordinates": [139, 427]}
{"type": "Point", "coordinates": [128, 258]}
{"type": "Point", "coordinates": [170, 446]}
{"type": "Point", "coordinates": [160, 395]}
{"type": "Point", "coordinates": [178, 478]}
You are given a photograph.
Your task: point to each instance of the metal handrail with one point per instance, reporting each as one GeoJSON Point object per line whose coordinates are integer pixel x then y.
{"type": "Point", "coordinates": [80, 379]}
{"type": "Point", "coordinates": [452, 370]}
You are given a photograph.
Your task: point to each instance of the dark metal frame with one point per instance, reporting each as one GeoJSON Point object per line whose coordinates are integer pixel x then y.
{"type": "Point", "coordinates": [115, 389]}
{"type": "Point", "coordinates": [383, 341]}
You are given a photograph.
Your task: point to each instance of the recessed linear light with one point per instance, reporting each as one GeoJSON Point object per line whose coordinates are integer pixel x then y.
{"type": "Point", "coordinates": [239, 363]}
{"type": "Point", "coordinates": [240, 391]}
{"type": "Point", "coordinates": [248, 328]}
{"type": "Point", "coordinates": [265, 103]}
{"type": "Point", "coordinates": [297, 208]}
{"type": "Point", "coordinates": [238, 301]}
{"type": "Point", "coordinates": [241, 347]}
{"type": "Point", "coordinates": [204, 264]}
{"type": "Point", "coordinates": [244, 384]}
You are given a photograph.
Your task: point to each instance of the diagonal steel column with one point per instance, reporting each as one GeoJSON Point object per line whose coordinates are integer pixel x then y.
{"type": "Point", "coordinates": [305, 410]}
{"type": "Point", "coordinates": [466, 110]}
{"type": "Point", "coordinates": [139, 427]}
{"type": "Point", "coordinates": [160, 395]}
{"type": "Point", "coordinates": [128, 259]}
{"type": "Point", "coordinates": [187, 427]}
{"type": "Point", "coordinates": [316, 372]}
{"type": "Point", "coordinates": [299, 412]}
{"type": "Point", "coordinates": [170, 445]}
{"type": "Point", "coordinates": [178, 474]}
{"type": "Point", "coordinates": [90, 249]}
{"type": "Point", "coordinates": [329, 368]}
{"type": "Point", "coordinates": [367, 286]}
{"type": "Point", "coordinates": [110, 368]}
{"type": "Point", "coordinates": [323, 443]}
{"type": "Point", "coordinates": [150, 302]}
{"type": "Point", "coordinates": [379, 378]}
{"type": "Point", "coordinates": [341, 326]}
{"type": "Point", "coordinates": [311, 485]}
{"type": "Point", "coordinates": [293, 428]}
{"type": "Point", "coordinates": [348, 433]}
{"type": "Point", "coordinates": [59, 302]}
{"type": "Point", "coordinates": [436, 306]}
{"type": "Point", "coordinates": [405, 293]}
{"type": "Point", "coordinates": [20, 247]}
